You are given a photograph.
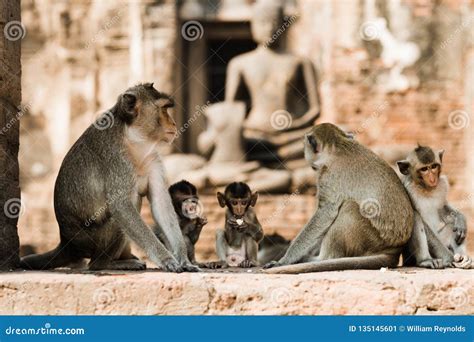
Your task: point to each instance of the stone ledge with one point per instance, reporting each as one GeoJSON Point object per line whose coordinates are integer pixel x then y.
{"type": "Point", "coordinates": [393, 292]}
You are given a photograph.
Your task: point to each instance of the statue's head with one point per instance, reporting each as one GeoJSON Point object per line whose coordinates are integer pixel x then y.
{"type": "Point", "coordinates": [267, 18]}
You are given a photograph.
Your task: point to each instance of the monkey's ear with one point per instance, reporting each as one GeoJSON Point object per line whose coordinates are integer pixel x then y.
{"type": "Point", "coordinates": [221, 199]}
{"type": "Point", "coordinates": [440, 154]}
{"type": "Point", "coordinates": [350, 135]}
{"type": "Point", "coordinates": [127, 104]}
{"type": "Point", "coordinates": [253, 199]}
{"type": "Point", "coordinates": [403, 166]}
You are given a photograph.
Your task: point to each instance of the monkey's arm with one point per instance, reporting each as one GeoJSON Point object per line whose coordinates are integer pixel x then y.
{"type": "Point", "coordinates": [459, 222]}
{"type": "Point", "coordinates": [129, 219]}
{"type": "Point", "coordinates": [312, 234]}
{"type": "Point", "coordinates": [254, 228]}
{"type": "Point", "coordinates": [164, 214]}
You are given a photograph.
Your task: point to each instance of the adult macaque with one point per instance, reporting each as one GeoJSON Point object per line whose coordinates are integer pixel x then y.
{"type": "Point", "coordinates": [237, 244]}
{"type": "Point", "coordinates": [187, 207]}
{"type": "Point", "coordinates": [439, 233]}
{"type": "Point", "coordinates": [101, 182]}
{"type": "Point", "coordinates": [364, 216]}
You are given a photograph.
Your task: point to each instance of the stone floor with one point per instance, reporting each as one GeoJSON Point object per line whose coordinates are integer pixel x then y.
{"type": "Point", "coordinates": [390, 292]}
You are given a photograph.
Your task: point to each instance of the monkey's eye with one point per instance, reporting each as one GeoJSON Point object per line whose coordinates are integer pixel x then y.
{"type": "Point", "coordinates": [424, 169]}
{"type": "Point", "coordinates": [434, 167]}
{"type": "Point", "coordinates": [234, 202]}
{"type": "Point", "coordinates": [313, 143]}
{"type": "Point", "coordinates": [244, 202]}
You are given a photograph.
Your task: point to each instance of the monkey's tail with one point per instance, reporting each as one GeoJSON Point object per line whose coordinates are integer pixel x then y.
{"type": "Point", "coordinates": [372, 262]}
{"type": "Point", "coordinates": [55, 258]}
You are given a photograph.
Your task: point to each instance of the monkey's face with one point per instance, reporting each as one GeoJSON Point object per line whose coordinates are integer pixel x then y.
{"type": "Point", "coordinates": [161, 126]}
{"type": "Point", "coordinates": [238, 206]}
{"type": "Point", "coordinates": [429, 174]}
{"type": "Point", "coordinates": [423, 165]}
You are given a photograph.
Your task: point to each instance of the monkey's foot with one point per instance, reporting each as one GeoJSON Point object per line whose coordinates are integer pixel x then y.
{"type": "Point", "coordinates": [215, 265]}
{"type": "Point", "coordinates": [188, 267]}
{"type": "Point", "coordinates": [272, 264]}
{"type": "Point", "coordinates": [171, 265]}
{"type": "Point", "coordinates": [432, 263]}
{"type": "Point", "coordinates": [247, 264]}
{"type": "Point", "coordinates": [122, 265]}
{"type": "Point", "coordinates": [462, 261]}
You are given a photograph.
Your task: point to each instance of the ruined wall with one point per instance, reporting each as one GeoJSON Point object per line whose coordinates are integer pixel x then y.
{"type": "Point", "coordinates": [10, 98]}
{"type": "Point", "coordinates": [77, 59]}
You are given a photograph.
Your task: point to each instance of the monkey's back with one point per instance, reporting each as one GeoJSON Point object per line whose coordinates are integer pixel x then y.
{"type": "Point", "coordinates": [84, 179]}
{"type": "Point", "coordinates": [379, 193]}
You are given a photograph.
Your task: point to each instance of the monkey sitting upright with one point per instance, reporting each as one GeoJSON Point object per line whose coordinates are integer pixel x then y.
{"type": "Point", "coordinates": [100, 185]}
{"type": "Point", "coordinates": [237, 244]}
{"type": "Point", "coordinates": [364, 215]}
{"type": "Point", "coordinates": [186, 205]}
{"type": "Point", "coordinates": [428, 190]}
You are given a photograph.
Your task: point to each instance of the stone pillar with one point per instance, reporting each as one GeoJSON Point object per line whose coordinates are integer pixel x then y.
{"type": "Point", "coordinates": [11, 33]}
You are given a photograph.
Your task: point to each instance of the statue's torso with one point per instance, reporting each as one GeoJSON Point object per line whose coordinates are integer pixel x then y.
{"type": "Point", "coordinates": [268, 77]}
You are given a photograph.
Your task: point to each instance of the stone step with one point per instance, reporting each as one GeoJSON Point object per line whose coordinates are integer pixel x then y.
{"type": "Point", "coordinates": [403, 291]}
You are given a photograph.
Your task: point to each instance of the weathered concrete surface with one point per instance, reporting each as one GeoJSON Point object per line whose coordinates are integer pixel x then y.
{"type": "Point", "coordinates": [402, 291]}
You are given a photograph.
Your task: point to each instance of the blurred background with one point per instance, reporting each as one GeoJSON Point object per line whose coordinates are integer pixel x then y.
{"type": "Point", "coordinates": [249, 77]}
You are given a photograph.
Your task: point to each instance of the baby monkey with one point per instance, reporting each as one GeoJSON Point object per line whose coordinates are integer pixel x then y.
{"type": "Point", "coordinates": [438, 238]}
{"type": "Point", "coordinates": [237, 244]}
{"type": "Point", "coordinates": [187, 206]}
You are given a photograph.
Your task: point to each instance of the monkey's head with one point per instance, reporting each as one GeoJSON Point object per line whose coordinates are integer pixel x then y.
{"type": "Point", "coordinates": [423, 166]}
{"type": "Point", "coordinates": [185, 199]}
{"type": "Point", "coordinates": [146, 109]}
{"type": "Point", "coordinates": [324, 141]}
{"type": "Point", "coordinates": [238, 198]}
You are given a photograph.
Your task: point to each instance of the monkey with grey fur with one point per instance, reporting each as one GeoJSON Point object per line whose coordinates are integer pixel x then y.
{"type": "Point", "coordinates": [100, 185]}
{"type": "Point", "coordinates": [439, 233]}
{"type": "Point", "coordinates": [364, 215]}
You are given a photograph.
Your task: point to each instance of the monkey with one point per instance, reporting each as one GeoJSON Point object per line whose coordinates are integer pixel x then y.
{"type": "Point", "coordinates": [439, 233]}
{"type": "Point", "coordinates": [186, 205]}
{"type": "Point", "coordinates": [272, 247]}
{"type": "Point", "coordinates": [364, 215]}
{"type": "Point", "coordinates": [100, 185]}
{"type": "Point", "coordinates": [237, 243]}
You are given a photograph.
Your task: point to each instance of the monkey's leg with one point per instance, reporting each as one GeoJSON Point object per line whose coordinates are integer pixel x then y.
{"type": "Point", "coordinates": [418, 248]}
{"type": "Point", "coordinates": [251, 251]}
{"type": "Point", "coordinates": [190, 249]}
{"type": "Point", "coordinates": [127, 217]}
{"type": "Point", "coordinates": [311, 236]}
{"type": "Point", "coordinates": [110, 247]}
{"type": "Point", "coordinates": [127, 252]}
{"type": "Point", "coordinates": [350, 243]}
{"type": "Point", "coordinates": [221, 245]}
{"type": "Point", "coordinates": [438, 249]}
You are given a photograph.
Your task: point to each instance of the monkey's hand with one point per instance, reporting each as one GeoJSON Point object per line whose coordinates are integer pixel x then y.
{"type": "Point", "coordinates": [171, 265]}
{"type": "Point", "coordinates": [202, 221]}
{"type": "Point", "coordinates": [247, 264]}
{"type": "Point", "coordinates": [238, 224]}
{"type": "Point", "coordinates": [188, 267]}
{"type": "Point", "coordinates": [462, 261]}
{"type": "Point", "coordinates": [460, 229]}
{"type": "Point", "coordinates": [272, 264]}
{"type": "Point", "coordinates": [432, 263]}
